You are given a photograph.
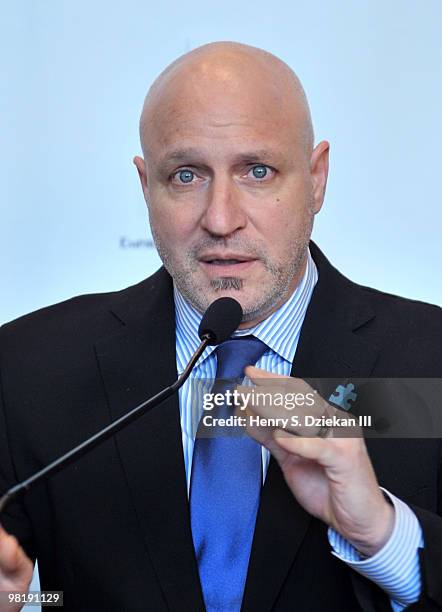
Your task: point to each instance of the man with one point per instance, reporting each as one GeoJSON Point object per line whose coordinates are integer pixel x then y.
{"type": "Point", "coordinates": [232, 183]}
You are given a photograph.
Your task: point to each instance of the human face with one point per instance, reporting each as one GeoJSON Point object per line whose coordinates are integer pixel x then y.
{"type": "Point", "coordinates": [231, 197]}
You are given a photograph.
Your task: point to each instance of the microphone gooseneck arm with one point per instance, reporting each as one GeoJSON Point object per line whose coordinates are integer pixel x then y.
{"type": "Point", "coordinates": [80, 450]}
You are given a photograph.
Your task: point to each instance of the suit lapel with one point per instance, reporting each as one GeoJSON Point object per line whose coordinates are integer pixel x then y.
{"type": "Point", "coordinates": [329, 349]}
{"type": "Point", "coordinates": [135, 364]}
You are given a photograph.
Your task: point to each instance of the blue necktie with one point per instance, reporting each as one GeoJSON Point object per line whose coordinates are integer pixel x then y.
{"type": "Point", "coordinates": [225, 490]}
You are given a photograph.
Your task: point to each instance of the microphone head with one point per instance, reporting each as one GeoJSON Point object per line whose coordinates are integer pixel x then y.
{"type": "Point", "coordinates": [220, 320]}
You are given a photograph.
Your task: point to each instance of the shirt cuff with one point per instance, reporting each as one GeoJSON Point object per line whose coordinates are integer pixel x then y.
{"type": "Point", "coordinates": [395, 567]}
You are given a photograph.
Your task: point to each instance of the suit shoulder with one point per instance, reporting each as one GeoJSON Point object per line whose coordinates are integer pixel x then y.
{"type": "Point", "coordinates": [361, 302]}
{"type": "Point", "coordinates": [408, 333]}
{"type": "Point", "coordinates": [404, 311]}
{"type": "Point", "coordinates": [89, 314]}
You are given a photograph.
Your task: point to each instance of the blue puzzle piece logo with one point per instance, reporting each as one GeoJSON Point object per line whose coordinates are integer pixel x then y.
{"type": "Point", "coordinates": [343, 395]}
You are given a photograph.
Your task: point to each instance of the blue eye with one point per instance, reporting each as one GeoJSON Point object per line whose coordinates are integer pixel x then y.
{"type": "Point", "coordinates": [259, 172]}
{"type": "Point", "coordinates": [186, 176]}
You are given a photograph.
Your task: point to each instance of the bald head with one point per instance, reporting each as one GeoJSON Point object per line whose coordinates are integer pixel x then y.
{"type": "Point", "coordinates": [223, 76]}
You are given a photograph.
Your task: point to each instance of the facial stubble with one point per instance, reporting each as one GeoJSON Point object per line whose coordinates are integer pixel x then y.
{"type": "Point", "coordinates": [274, 291]}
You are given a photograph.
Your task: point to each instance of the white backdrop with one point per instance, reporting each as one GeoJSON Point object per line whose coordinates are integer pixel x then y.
{"type": "Point", "coordinates": [73, 218]}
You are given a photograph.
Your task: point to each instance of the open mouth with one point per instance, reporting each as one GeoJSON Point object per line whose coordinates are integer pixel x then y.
{"type": "Point", "coordinates": [226, 264]}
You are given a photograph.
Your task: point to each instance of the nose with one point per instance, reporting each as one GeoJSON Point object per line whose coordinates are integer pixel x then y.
{"type": "Point", "coordinates": [223, 214]}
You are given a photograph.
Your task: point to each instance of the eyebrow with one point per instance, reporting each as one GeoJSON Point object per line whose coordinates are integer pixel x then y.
{"type": "Point", "coordinates": [191, 154]}
{"type": "Point", "coordinates": [178, 155]}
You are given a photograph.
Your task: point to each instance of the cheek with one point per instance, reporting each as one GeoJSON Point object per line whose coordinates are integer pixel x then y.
{"type": "Point", "coordinates": [283, 217]}
{"type": "Point", "coordinates": [283, 226]}
{"type": "Point", "coordinates": [172, 222]}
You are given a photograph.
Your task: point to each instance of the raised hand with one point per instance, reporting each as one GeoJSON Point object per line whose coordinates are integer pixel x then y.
{"type": "Point", "coordinates": [331, 477]}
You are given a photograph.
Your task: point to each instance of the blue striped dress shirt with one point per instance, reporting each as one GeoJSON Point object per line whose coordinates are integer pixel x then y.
{"type": "Point", "coordinates": [395, 568]}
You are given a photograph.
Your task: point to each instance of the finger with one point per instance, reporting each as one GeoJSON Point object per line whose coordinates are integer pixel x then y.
{"type": "Point", "coordinates": [284, 407]}
{"type": "Point", "coordinates": [317, 449]}
{"type": "Point", "coordinates": [290, 383]}
{"type": "Point", "coordinates": [261, 373]}
{"type": "Point", "coordinates": [259, 376]}
{"type": "Point", "coordinates": [337, 455]}
{"type": "Point", "coordinates": [264, 436]}
{"type": "Point", "coordinates": [263, 415]}
{"type": "Point", "coordinates": [13, 559]}
{"type": "Point", "coordinates": [292, 404]}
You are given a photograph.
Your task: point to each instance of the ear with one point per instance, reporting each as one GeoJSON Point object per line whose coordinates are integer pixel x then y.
{"type": "Point", "coordinates": [141, 168]}
{"type": "Point", "coordinates": [319, 173]}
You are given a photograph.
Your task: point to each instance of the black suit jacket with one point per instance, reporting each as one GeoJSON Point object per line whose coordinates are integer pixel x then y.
{"type": "Point", "coordinates": [112, 531]}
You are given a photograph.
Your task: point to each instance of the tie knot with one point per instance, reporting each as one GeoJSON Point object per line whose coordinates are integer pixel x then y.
{"type": "Point", "coordinates": [234, 355]}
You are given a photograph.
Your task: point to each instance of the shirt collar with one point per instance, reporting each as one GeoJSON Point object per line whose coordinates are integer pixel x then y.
{"type": "Point", "coordinates": [280, 331]}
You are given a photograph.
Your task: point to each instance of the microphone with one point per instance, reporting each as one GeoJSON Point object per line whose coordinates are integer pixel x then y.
{"type": "Point", "coordinates": [219, 321]}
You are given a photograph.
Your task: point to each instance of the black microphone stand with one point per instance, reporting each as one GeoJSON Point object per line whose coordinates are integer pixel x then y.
{"type": "Point", "coordinates": [78, 451]}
